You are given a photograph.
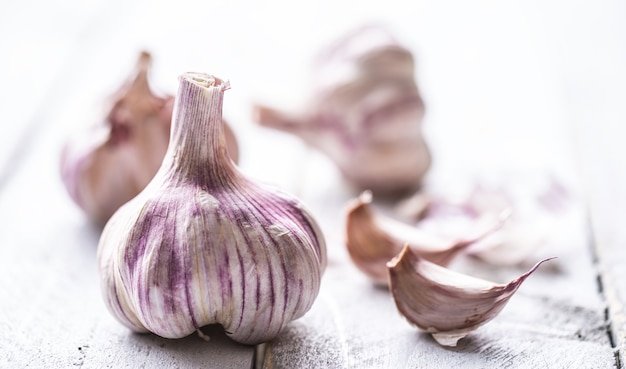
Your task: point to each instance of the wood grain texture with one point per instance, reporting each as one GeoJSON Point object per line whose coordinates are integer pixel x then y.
{"type": "Point", "coordinates": [598, 114]}
{"type": "Point", "coordinates": [502, 89]}
{"type": "Point", "coordinates": [599, 121]}
{"type": "Point", "coordinates": [606, 180]}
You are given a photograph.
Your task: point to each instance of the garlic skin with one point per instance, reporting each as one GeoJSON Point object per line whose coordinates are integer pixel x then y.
{"type": "Point", "coordinates": [373, 239]}
{"type": "Point", "coordinates": [110, 163]}
{"type": "Point", "coordinates": [202, 244]}
{"type": "Point", "coordinates": [365, 113]}
{"type": "Point", "coordinates": [538, 205]}
{"type": "Point", "coordinates": [445, 303]}
{"type": "Point", "coordinates": [539, 208]}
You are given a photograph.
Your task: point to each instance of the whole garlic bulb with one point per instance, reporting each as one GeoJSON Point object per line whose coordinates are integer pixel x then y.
{"type": "Point", "coordinates": [110, 163]}
{"type": "Point", "coordinates": [365, 114]}
{"type": "Point", "coordinates": [203, 244]}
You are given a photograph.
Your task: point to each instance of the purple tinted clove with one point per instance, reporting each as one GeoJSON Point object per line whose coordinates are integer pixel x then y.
{"type": "Point", "coordinates": [110, 163]}
{"type": "Point", "coordinates": [445, 303]}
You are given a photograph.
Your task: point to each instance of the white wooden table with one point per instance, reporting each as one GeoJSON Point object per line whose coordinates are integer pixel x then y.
{"type": "Point", "coordinates": [512, 91]}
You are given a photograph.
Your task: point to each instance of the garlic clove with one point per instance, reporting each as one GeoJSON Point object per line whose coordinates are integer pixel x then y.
{"type": "Point", "coordinates": [369, 247]}
{"type": "Point", "coordinates": [203, 244]}
{"type": "Point", "coordinates": [109, 163]}
{"type": "Point", "coordinates": [445, 303]}
{"type": "Point", "coordinates": [365, 114]}
{"type": "Point", "coordinates": [372, 239]}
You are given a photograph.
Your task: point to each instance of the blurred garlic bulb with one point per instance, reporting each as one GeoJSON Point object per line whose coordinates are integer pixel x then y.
{"type": "Point", "coordinates": [445, 303]}
{"type": "Point", "coordinates": [373, 239]}
{"type": "Point", "coordinates": [365, 114]}
{"type": "Point", "coordinates": [110, 163]}
{"type": "Point", "coordinates": [202, 244]}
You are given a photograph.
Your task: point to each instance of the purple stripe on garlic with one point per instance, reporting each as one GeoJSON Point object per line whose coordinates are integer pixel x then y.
{"type": "Point", "coordinates": [203, 244]}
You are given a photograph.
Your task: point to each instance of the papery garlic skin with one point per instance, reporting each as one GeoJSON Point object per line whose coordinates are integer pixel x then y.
{"type": "Point", "coordinates": [108, 164]}
{"type": "Point", "coordinates": [538, 205]}
{"type": "Point", "coordinates": [365, 114]}
{"type": "Point", "coordinates": [202, 244]}
{"type": "Point", "coordinates": [443, 302]}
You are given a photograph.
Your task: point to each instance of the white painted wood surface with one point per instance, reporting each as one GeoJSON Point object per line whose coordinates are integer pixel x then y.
{"type": "Point", "coordinates": [511, 90]}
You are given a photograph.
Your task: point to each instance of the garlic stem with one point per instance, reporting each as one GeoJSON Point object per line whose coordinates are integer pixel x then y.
{"type": "Point", "coordinates": [197, 137]}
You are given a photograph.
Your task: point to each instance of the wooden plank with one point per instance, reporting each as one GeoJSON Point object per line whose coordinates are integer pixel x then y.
{"type": "Point", "coordinates": [52, 309]}
{"type": "Point", "coordinates": [599, 122]}
{"type": "Point", "coordinates": [595, 94]}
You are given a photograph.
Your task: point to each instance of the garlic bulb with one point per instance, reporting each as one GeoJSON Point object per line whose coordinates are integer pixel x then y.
{"type": "Point", "coordinates": [373, 239]}
{"type": "Point", "coordinates": [202, 244]}
{"type": "Point", "coordinates": [365, 114]}
{"type": "Point", "coordinates": [445, 303]}
{"type": "Point", "coordinates": [108, 164]}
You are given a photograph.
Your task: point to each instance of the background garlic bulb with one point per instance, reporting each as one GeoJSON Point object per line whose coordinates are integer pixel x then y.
{"type": "Point", "coordinates": [203, 244]}
{"type": "Point", "coordinates": [365, 114]}
{"type": "Point", "coordinates": [110, 163]}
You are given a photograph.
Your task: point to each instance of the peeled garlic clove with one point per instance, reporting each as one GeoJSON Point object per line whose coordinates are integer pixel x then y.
{"type": "Point", "coordinates": [109, 164]}
{"type": "Point", "coordinates": [202, 244]}
{"type": "Point", "coordinates": [445, 303]}
{"type": "Point", "coordinates": [373, 239]}
{"type": "Point", "coordinates": [365, 114]}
